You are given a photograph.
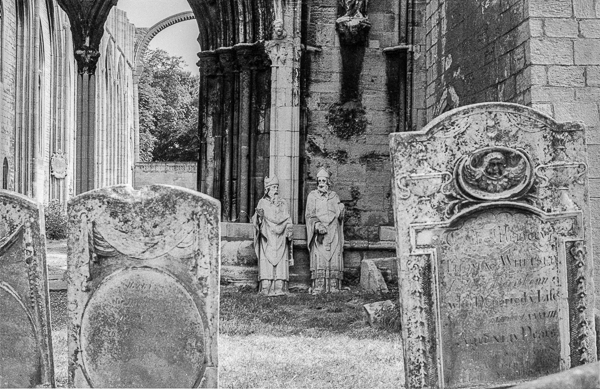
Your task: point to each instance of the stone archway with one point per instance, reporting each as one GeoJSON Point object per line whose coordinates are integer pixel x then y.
{"type": "Point", "coordinates": [141, 46]}
{"type": "Point", "coordinates": [242, 63]}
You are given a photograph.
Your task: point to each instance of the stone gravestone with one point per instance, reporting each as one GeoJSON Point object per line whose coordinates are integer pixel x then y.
{"type": "Point", "coordinates": [25, 333]}
{"type": "Point", "coordinates": [143, 288]}
{"type": "Point", "coordinates": [493, 234]}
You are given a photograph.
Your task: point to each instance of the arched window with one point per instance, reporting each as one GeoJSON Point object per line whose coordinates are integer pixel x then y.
{"type": "Point", "coordinates": [5, 174]}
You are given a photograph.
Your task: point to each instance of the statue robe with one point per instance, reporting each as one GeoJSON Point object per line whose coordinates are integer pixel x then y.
{"type": "Point", "coordinates": [326, 250]}
{"type": "Point", "coordinates": [270, 241]}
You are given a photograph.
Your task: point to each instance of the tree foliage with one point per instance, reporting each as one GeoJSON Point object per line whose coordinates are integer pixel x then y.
{"type": "Point", "coordinates": [168, 109]}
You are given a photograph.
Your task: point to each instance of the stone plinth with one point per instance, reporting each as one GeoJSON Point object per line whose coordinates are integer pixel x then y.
{"type": "Point", "coordinates": [143, 279]}
{"type": "Point", "coordinates": [493, 232]}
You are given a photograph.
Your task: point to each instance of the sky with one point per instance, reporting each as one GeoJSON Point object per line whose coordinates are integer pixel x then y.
{"type": "Point", "coordinates": [179, 39]}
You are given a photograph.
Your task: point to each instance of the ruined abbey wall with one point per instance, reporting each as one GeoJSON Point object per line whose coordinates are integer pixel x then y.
{"type": "Point", "coordinates": [37, 97]}
{"type": "Point", "coordinates": [351, 104]}
{"type": "Point", "coordinates": [540, 53]}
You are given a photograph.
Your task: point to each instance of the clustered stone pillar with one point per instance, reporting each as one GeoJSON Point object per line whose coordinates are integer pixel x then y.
{"type": "Point", "coordinates": [234, 135]}
{"type": "Point", "coordinates": [85, 161]}
{"type": "Point", "coordinates": [87, 25]}
{"type": "Point", "coordinates": [284, 53]}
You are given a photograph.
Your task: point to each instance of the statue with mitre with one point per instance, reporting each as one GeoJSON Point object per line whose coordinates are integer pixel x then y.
{"type": "Point", "coordinates": [325, 236]}
{"type": "Point", "coordinates": [273, 240]}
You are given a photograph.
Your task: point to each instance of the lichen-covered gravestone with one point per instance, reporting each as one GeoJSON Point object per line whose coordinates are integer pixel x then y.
{"type": "Point", "coordinates": [25, 334]}
{"type": "Point", "coordinates": [143, 288]}
{"type": "Point", "coordinates": [492, 218]}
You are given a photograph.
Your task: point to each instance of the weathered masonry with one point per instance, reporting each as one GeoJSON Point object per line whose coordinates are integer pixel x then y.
{"type": "Point", "coordinates": [39, 103]}
{"type": "Point", "coordinates": [494, 245]}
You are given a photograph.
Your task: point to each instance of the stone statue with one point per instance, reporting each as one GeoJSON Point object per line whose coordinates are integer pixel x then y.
{"type": "Point", "coordinates": [325, 236]}
{"type": "Point", "coordinates": [354, 8]}
{"type": "Point", "coordinates": [273, 240]}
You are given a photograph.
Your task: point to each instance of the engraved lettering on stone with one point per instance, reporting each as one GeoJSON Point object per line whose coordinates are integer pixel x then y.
{"type": "Point", "coordinates": [498, 273]}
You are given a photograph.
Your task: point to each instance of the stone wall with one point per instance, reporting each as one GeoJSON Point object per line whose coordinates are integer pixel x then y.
{"type": "Point", "coordinates": [168, 173]}
{"type": "Point", "coordinates": [349, 137]}
{"type": "Point", "coordinates": [239, 264]}
{"type": "Point", "coordinates": [540, 53]}
{"type": "Point", "coordinates": [565, 79]}
{"type": "Point", "coordinates": [476, 51]}
{"type": "Point", "coordinates": [37, 98]}
{"type": "Point", "coordinates": [115, 102]}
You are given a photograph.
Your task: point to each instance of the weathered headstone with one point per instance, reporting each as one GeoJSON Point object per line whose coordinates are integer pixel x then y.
{"type": "Point", "coordinates": [492, 221]}
{"type": "Point", "coordinates": [25, 333]}
{"type": "Point", "coordinates": [143, 288]}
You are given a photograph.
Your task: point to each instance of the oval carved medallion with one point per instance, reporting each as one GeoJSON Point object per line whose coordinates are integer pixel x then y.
{"type": "Point", "coordinates": [494, 173]}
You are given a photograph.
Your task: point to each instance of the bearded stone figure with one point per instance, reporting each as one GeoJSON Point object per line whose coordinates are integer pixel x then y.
{"type": "Point", "coordinates": [272, 240]}
{"type": "Point", "coordinates": [325, 236]}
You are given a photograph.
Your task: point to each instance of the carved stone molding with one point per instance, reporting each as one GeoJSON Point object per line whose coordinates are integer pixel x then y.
{"type": "Point", "coordinates": [208, 63]}
{"type": "Point", "coordinates": [251, 56]}
{"type": "Point", "coordinates": [227, 60]}
{"type": "Point", "coordinates": [283, 52]}
{"type": "Point", "coordinates": [87, 60]}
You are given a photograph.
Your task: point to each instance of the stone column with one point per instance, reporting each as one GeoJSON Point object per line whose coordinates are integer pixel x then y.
{"type": "Point", "coordinates": [136, 118]}
{"type": "Point", "coordinates": [210, 102]}
{"type": "Point", "coordinates": [227, 62]}
{"type": "Point", "coordinates": [87, 25]}
{"type": "Point", "coordinates": [85, 135]}
{"type": "Point", "coordinates": [284, 160]}
{"type": "Point", "coordinates": [245, 53]}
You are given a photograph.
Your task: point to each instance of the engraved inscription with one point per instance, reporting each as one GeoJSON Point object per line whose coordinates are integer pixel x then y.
{"type": "Point", "coordinates": [499, 297]}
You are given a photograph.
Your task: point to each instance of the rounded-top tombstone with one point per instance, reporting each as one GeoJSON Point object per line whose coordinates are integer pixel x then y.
{"type": "Point", "coordinates": [143, 288]}
{"type": "Point", "coordinates": [25, 333]}
{"type": "Point", "coordinates": [493, 233]}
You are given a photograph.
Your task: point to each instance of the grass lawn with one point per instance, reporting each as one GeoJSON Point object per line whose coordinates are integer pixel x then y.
{"type": "Point", "coordinates": [298, 341]}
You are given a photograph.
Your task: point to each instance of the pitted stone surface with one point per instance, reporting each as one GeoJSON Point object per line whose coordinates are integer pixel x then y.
{"type": "Point", "coordinates": [25, 334]}
{"type": "Point", "coordinates": [143, 288]}
{"type": "Point", "coordinates": [371, 279]}
{"type": "Point", "coordinates": [492, 220]}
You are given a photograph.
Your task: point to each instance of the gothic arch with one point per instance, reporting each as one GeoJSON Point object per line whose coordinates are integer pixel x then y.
{"type": "Point", "coordinates": [141, 46]}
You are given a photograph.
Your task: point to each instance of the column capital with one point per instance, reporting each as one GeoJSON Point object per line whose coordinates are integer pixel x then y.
{"type": "Point", "coordinates": [251, 56]}
{"type": "Point", "coordinates": [87, 60]}
{"type": "Point", "coordinates": [87, 18]}
{"type": "Point", "coordinates": [283, 52]}
{"type": "Point", "coordinates": [227, 59]}
{"type": "Point", "coordinates": [209, 63]}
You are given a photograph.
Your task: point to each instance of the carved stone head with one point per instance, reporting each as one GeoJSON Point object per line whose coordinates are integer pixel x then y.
{"type": "Point", "coordinates": [323, 181]}
{"type": "Point", "coordinates": [271, 187]}
{"type": "Point", "coordinates": [278, 30]}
